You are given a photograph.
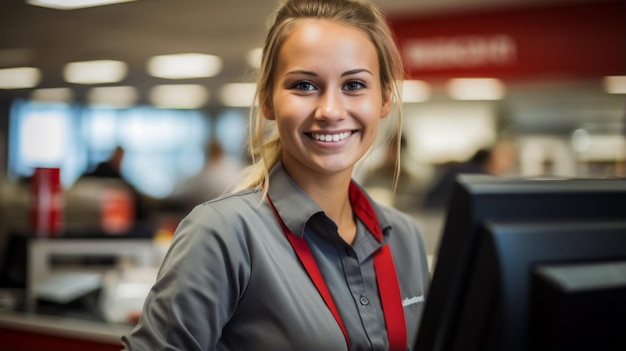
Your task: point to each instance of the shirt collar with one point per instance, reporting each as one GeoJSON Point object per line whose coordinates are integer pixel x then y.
{"type": "Point", "coordinates": [293, 205]}
{"type": "Point", "coordinates": [296, 208]}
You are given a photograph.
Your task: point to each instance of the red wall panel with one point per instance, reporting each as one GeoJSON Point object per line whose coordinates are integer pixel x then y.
{"type": "Point", "coordinates": [578, 40]}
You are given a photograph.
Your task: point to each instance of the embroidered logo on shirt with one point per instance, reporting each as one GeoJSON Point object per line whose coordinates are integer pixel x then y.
{"type": "Point", "coordinates": [407, 301]}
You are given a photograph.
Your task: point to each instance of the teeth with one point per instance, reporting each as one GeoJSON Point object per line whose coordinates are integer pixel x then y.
{"type": "Point", "coordinates": [330, 137]}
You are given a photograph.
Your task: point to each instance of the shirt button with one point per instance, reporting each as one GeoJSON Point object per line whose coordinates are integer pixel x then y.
{"type": "Point", "coordinates": [364, 301]}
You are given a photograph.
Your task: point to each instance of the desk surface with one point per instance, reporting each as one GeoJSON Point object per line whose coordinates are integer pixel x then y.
{"type": "Point", "coordinates": [108, 333]}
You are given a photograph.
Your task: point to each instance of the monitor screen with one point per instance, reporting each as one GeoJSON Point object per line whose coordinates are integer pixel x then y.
{"type": "Point", "coordinates": [529, 265]}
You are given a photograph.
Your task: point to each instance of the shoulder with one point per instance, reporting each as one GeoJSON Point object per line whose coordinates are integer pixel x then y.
{"type": "Point", "coordinates": [244, 200]}
{"type": "Point", "coordinates": [404, 231]}
{"type": "Point", "coordinates": [396, 218]}
{"type": "Point", "coordinates": [226, 213]}
{"type": "Point", "coordinates": [221, 230]}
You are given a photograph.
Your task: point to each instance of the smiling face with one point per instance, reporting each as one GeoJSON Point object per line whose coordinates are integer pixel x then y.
{"type": "Point", "coordinates": [327, 98]}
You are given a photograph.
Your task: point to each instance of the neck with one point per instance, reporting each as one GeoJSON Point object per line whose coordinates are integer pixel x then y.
{"type": "Point", "coordinates": [336, 205]}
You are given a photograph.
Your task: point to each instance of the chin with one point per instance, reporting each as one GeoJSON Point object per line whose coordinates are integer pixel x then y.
{"type": "Point", "coordinates": [336, 166]}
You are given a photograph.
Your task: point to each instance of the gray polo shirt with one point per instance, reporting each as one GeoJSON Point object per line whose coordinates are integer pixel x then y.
{"type": "Point", "coordinates": [232, 281]}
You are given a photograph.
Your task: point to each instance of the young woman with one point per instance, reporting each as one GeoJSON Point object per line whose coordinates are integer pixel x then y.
{"type": "Point", "coordinates": [300, 258]}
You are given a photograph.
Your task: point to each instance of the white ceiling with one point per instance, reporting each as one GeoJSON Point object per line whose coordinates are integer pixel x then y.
{"type": "Point", "coordinates": [135, 31]}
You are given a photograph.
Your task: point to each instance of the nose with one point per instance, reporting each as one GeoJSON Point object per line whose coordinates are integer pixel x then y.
{"type": "Point", "coordinates": [330, 106]}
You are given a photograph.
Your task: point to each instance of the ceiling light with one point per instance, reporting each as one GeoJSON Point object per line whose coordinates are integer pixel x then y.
{"type": "Point", "coordinates": [121, 96]}
{"type": "Point", "coordinates": [615, 84]}
{"type": "Point", "coordinates": [476, 89]}
{"type": "Point", "coordinates": [184, 96]}
{"type": "Point", "coordinates": [181, 66]}
{"type": "Point", "coordinates": [95, 72]}
{"type": "Point", "coordinates": [415, 91]}
{"type": "Point", "coordinates": [238, 94]}
{"type": "Point", "coordinates": [73, 4]}
{"type": "Point", "coordinates": [52, 94]}
{"type": "Point", "coordinates": [254, 57]}
{"type": "Point", "coordinates": [19, 77]}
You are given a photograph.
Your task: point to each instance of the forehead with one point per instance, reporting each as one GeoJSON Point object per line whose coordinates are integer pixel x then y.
{"type": "Point", "coordinates": [312, 40]}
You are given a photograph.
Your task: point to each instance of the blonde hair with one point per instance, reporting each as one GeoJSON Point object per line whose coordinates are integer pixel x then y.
{"type": "Point", "coordinates": [264, 141]}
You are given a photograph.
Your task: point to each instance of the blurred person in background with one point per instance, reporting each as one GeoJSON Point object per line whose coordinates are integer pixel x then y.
{"type": "Point", "coordinates": [299, 257]}
{"type": "Point", "coordinates": [220, 174]}
{"type": "Point", "coordinates": [498, 160]}
{"type": "Point", "coordinates": [111, 168]}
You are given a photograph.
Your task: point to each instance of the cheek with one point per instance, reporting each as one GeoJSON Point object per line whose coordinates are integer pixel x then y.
{"type": "Point", "coordinates": [289, 112]}
{"type": "Point", "coordinates": [369, 110]}
{"type": "Point", "coordinates": [370, 116]}
{"type": "Point", "coordinates": [373, 129]}
{"type": "Point", "coordinates": [288, 122]}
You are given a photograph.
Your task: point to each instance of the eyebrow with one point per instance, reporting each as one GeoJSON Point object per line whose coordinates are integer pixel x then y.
{"type": "Point", "coordinates": [347, 73]}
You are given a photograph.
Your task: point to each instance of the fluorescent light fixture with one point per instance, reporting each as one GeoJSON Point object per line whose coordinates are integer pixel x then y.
{"type": "Point", "coordinates": [182, 96]}
{"type": "Point", "coordinates": [476, 89]}
{"type": "Point", "coordinates": [254, 57]}
{"type": "Point", "coordinates": [182, 66]}
{"type": "Point", "coordinates": [415, 91]}
{"type": "Point", "coordinates": [95, 72]}
{"type": "Point", "coordinates": [52, 95]}
{"type": "Point", "coordinates": [615, 84]}
{"type": "Point", "coordinates": [121, 96]}
{"type": "Point", "coordinates": [238, 94]}
{"type": "Point", "coordinates": [73, 4]}
{"type": "Point", "coordinates": [19, 77]}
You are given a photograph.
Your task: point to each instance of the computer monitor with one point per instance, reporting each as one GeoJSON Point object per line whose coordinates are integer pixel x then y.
{"type": "Point", "coordinates": [529, 265]}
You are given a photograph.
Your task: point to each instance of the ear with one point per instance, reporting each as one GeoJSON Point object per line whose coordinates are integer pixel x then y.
{"type": "Point", "coordinates": [267, 109]}
{"type": "Point", "coordinates": [387, 103]}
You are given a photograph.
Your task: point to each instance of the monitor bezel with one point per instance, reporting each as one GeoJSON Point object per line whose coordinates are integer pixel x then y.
{"type": "Point", "coordinates": [478, 200]}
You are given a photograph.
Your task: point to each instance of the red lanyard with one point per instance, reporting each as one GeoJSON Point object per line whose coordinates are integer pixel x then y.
{"type": "Point", "coordinates": [386, 277]}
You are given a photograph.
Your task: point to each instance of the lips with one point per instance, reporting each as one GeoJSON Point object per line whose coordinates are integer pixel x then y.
{"type": "Point", "coordinates": [330, 137]}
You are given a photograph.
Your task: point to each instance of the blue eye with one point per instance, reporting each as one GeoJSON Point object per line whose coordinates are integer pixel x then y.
{"type": "Point", "coordinates": [354, 85]}
{"type": "Point", "coordinates": [304, 86]}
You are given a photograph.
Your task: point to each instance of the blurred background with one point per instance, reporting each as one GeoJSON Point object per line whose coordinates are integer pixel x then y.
{"type": "Point", "coordinates": [142, 105]}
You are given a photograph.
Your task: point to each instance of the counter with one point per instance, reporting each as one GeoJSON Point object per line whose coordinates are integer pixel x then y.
{"type": "Point", "coordinates": [35, 332]}
{"type": "Point", "coordinates": [61, 325]}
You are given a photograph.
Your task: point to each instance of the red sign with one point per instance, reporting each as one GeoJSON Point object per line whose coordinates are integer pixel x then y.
{"type": "Point", "coordinates": [572, 40]}
{"type": "Point", "coordinates": [117, 209]}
